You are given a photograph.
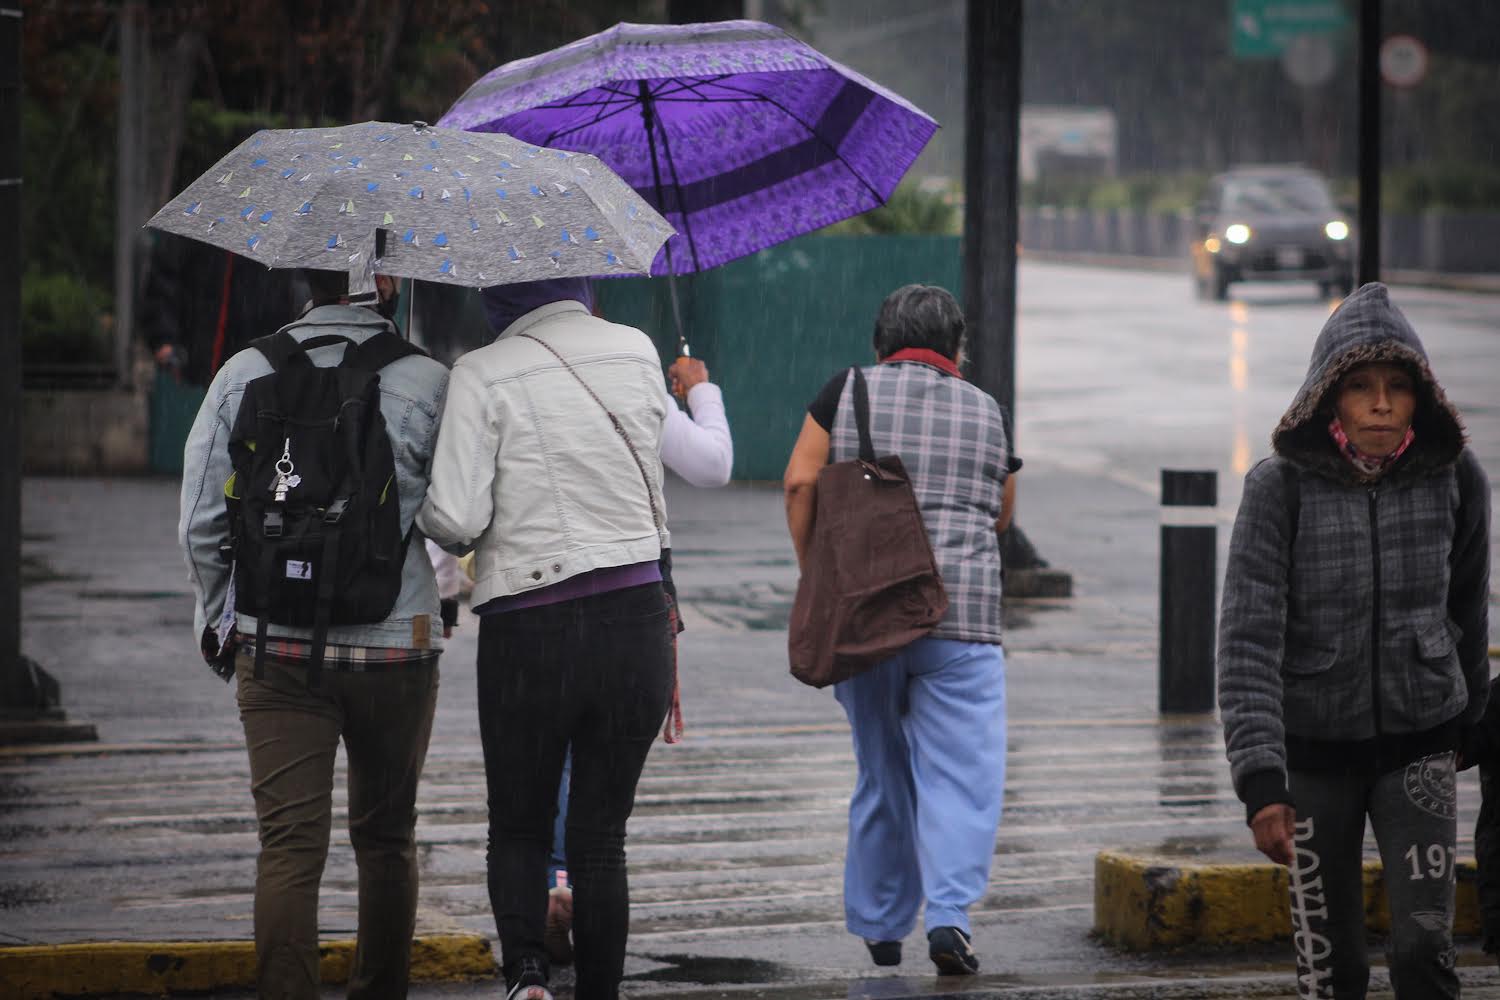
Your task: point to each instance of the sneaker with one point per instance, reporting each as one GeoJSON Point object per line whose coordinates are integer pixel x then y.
{"type": "Point", "coordinates": [884, 952]}
{"type": "Point", "coordinates": [950, 952]}
{"type": "Point", "coordinates": [558, 936]}
{"type": "Point", "coordinates": [531, 984]}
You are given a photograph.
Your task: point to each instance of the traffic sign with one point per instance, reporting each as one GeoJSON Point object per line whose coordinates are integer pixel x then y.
{"type": "Point", "coordinates": [1403, 61]}
{"type": "Point", "coordinates": [1262, 29]}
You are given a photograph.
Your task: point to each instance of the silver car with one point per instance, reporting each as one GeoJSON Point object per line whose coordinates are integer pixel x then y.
{"type": "Point", "coordinates": [1271, 224]}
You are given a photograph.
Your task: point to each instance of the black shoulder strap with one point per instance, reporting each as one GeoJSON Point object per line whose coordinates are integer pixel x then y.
{"type": "Point", "coordinates": [378, 351]}
{"type": "Point", "coordinates": [1291, 498]}
{"type": "Point", "coordinates": [862, 415]}
{"type": "Point", "coordinates": [281, 347]}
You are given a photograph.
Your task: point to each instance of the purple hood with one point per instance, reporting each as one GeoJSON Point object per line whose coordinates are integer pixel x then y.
{"type": "Point", "coordinates": [504, 304]}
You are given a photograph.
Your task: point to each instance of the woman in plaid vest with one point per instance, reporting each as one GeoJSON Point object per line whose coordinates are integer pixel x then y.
{"type": "Point", "coordinates": [929, 723]}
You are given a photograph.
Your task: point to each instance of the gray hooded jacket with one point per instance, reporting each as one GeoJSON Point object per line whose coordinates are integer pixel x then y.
{"type": "Point", "coordinates": [1354, 629]}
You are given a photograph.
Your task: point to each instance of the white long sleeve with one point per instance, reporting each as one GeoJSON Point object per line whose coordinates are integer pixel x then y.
{"type": "Point", "coordinates": [698, 448]}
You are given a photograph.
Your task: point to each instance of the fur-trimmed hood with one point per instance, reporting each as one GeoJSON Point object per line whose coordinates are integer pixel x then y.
{"type": "Point", "coordinates": [1367, 328]}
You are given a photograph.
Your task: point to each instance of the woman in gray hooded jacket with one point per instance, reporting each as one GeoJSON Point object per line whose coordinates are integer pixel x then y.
{"type": "Point", "coordinates": [1353, 647]}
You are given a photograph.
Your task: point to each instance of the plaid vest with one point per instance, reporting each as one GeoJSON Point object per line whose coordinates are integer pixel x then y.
{"type": "Point", "coordinates": [950, 437]}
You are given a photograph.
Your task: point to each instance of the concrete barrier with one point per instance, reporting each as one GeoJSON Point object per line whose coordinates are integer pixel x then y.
{"type": "Point", "coordinates": [162, 967]}
{"type": "Point", "coordinates": [91, 432]}
{"type": "Point", "coordinates": [1149, 904]}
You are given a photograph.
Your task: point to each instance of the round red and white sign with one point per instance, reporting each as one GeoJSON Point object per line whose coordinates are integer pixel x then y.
{"type": "Point", "coordinates": [1403, 61]}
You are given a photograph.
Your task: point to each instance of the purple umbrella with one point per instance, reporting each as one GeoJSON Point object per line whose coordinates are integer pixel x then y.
{"type": "Point", "coordinates": [739, 134]}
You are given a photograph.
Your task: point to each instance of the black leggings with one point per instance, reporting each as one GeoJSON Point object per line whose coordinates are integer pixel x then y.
{"type": "Point", "coordinates": [595, 672]}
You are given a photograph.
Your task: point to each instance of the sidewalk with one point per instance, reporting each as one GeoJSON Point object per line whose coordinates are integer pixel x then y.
{"type": "Point", "coordinates": [736, 845]}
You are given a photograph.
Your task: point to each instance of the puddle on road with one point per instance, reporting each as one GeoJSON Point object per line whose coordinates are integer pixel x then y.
{"type": "Point", "coordinates": [1189, 846]}
{"type": "Point", "coordinates": [710, 970]}
{"type": "Point", "coordinates": [36, 571]}
{"type": "Point", "coordinates": [132, 595]}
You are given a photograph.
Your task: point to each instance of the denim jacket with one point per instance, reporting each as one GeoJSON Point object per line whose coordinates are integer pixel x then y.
{"type": "Point", "coordinates": [531, 474]}
{"type": "Point", "coordinates": [412, 391]}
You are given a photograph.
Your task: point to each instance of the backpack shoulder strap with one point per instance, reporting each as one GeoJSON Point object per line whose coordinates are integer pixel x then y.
{"type": "Point", "coordinates": [378, 351]}
{"type": "Point", "coordinates": [277, 348]}
{"type": "Point", "coordinates": [1291, 497]}
{"type": "Point", "coordinates": [281, 347]}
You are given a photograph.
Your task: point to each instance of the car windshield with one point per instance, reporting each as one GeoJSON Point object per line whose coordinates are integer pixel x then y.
{"type": "Point", "coordinates": [1287, 195]}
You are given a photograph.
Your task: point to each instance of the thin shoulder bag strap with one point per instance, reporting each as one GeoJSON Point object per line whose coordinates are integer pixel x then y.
{"type": "Point", "coordinates": [862, 416]}
{"type": "Point", "coordinates": [619, 427]}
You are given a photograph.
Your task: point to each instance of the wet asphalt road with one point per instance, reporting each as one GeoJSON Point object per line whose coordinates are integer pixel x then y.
{"type": "Point", "coordinates": [736, 845]}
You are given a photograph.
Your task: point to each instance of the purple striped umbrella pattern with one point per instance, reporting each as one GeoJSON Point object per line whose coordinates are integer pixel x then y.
{"type": "Point", "coordinates": [739, 134]}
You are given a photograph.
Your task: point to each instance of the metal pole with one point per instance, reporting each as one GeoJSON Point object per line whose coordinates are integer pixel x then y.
{"type": "Point", "coordinates": [992, 142]}
{"type": "Point", "coordinates": [127, 185]}
{"type": "Point", "coordinates": [992, 122]}
{"type": "Point", "coordinates": [1189, 554]}
{"type": "Point", "coordinates": [1369, 140]}
{"type": "Point", "coordinates": [12, 670]}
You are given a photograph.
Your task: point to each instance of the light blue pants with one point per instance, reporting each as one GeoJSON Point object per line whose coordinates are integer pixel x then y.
{"type": "Point", "coordinates": [929, 739]}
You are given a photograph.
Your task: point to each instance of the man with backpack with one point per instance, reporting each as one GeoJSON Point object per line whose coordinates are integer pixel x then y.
{"type": "Point", "coordinates": [302, 477]}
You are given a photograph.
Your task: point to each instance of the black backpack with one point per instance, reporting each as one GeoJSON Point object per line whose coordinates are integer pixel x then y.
{"type": "Point", "coordinates": [315, 520]}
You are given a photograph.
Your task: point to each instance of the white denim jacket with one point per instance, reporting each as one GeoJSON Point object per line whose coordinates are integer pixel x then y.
{"type": "Point", "coordinates": [411, 401]}
{"type": "Point", "coordinates": [529, 471]}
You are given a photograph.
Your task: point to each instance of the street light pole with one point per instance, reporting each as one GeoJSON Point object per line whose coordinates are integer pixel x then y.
{"type": "Point", "coordinates": [28, 696]}
{"type": "Point", "coordinates": [1369, 140]}
{"type": "Point", "coordinates": [992, 140]}
{"type": "Point", "coordinates": [11, 667]}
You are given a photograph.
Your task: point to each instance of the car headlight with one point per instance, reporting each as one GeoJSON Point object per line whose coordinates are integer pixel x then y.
{"type": "Point", "coordinates": [1237, 233]}
{"type": "Point", "coordinates": [1337, 230]}
{"type": "Point", "coordinates": [1211, 244]}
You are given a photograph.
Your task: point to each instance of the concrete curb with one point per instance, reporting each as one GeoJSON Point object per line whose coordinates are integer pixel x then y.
{"type": "Point", "coordinates": [1153, 904]}
{"type": "Point", "coordinates": [160, 967]}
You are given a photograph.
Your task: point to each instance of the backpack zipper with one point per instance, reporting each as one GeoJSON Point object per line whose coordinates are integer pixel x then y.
{"type": "Point", "coordinates": [1375, 612]}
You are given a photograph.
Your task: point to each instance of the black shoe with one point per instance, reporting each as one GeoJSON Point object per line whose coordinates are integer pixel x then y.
{"type": "Point", "coordinates": [950, 952]}
{"type": "Point", "coordinates": [884, 952]}
{"type": "Point", "coordinates": [531, 984]}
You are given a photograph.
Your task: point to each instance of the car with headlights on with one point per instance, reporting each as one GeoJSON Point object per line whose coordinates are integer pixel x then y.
{"type": "Point", "coordinates": [1271, 224]}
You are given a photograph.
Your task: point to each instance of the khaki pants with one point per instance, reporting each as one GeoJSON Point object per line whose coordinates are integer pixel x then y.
{"type": "Point", "coordinates": [384, 719]}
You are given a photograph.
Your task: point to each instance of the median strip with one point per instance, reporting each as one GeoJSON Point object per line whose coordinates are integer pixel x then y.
{"type": "Point", "coordinates": [1151, 903]}
{"type": "Point", "coordinates": [35, 972]}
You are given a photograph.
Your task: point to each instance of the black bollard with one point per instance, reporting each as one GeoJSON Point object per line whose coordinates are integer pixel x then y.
{"type": "Point", "coordinates": [1189, 554]}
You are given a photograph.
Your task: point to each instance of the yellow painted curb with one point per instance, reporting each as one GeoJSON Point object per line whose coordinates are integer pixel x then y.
{"type": "Point", "coordinates": [1154, 904]}
{"type": "Point", "coordinates": [43, 971]}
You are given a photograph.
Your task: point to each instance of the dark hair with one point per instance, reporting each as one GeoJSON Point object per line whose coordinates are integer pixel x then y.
{"type": "Point", "coordinates": [326, 286]}
{"type": "Point", "coordinates": [922, 316]}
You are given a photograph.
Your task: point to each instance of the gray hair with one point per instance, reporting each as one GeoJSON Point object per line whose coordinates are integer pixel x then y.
{"type": "Point", "coordinates": [922, 316]}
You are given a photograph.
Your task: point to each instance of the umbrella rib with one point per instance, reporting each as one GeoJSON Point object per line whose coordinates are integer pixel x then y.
{"type": "Point", "coordinates": [687, 223]}
{"type": "Point", "coordinates": [812, 132]}
{"type": "Point", "coordinates": [559, 133]}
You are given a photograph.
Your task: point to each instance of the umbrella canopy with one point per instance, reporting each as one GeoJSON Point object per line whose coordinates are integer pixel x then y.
{"type": "Point", "coordinates": [416, 201]}
{"type": "Point", "coordinates": [741, 135]}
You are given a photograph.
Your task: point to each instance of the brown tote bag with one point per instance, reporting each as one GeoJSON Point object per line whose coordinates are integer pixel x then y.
{"type": "Point", "coordinates": [871, 585]}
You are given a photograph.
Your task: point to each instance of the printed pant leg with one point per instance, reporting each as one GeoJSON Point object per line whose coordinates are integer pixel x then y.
{"type": "Point", "coordinates": [293, 736]}
{"type": "Point", "coordinates": [1487, 853]}
{"type": "Point", "coordinates": [882, 880]}
{"type": "Point", "coordinates": [955, 728]}
{"type": "Point", "coordinates": [1413, 812]}
{"type": "Point", "coordinates": [1327, 885]}
{"type": "Point", "coordinates": [387, 724]}
{"type": "Point", "coordinates": [625, 697]}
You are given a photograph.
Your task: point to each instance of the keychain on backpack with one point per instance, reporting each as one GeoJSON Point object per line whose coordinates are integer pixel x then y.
{"type": "Point", "coordinates": [285, 477]}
